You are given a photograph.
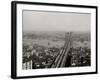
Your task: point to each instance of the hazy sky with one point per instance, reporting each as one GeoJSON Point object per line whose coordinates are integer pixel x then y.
{"type": "Point", "coordinates": [55, 21]}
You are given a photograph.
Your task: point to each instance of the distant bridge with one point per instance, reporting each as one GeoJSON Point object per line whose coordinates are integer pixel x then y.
{"type": "Point", "coordinates": [63, 59]}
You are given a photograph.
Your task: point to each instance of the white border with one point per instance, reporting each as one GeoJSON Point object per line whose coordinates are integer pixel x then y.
{"type": "Point", "coordinates": [37, 72]}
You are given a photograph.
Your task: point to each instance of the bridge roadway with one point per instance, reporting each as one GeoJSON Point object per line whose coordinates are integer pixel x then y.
{"type": "Point", "coordinates": [60, 60]}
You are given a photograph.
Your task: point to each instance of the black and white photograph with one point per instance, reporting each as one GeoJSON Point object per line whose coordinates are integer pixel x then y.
{"type": "Point", "coordinates": [53, 39]}
{"type": "Point", "coordinates": [56, 39]}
